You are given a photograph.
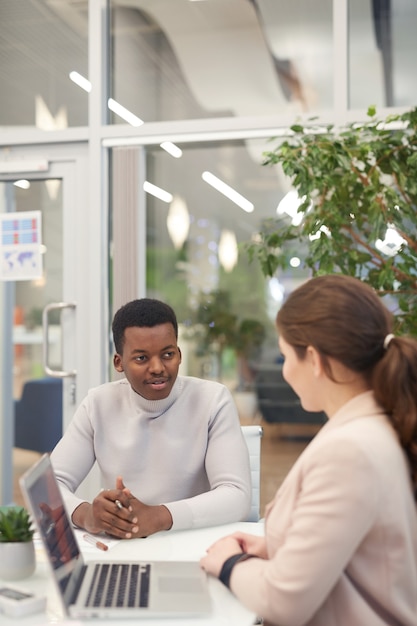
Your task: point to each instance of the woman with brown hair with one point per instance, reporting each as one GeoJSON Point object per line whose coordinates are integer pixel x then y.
{"type": "Point", "coordinates": [340, 544]}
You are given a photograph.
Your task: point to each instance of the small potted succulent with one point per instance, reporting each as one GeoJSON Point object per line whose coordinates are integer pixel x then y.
{"type": "Point", "coordinates": [17, 552]}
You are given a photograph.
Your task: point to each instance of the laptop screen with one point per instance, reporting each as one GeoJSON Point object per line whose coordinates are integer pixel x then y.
{"type": "Point", "coordinates": [47, 506]}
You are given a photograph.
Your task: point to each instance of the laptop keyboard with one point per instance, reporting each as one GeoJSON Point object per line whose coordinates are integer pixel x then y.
{"type": "Point", "coordinates": [120, 584]}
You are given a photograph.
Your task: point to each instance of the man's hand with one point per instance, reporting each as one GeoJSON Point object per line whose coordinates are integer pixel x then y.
{"type": "Point", "coordinates": [109, 512]}
{"type": "Point", "coordinates": [150, 519]}
{"type": "Point", "coordinates": [119, 514]}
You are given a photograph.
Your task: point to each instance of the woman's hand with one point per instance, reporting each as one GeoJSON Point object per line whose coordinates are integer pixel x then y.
{"type": "Point", "coordinates": [252, 544]}
{"type": "Point", "coordinates": [221, 550]}
{"type": "Point", "coordinates": [218, 553]}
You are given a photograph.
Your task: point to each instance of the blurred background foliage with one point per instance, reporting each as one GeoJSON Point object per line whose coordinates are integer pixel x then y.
{"type": "Point", "coordinates": [357, 195]}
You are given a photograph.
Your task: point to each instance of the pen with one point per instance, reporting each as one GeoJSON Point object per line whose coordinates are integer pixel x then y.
{"type": "Point", "coordinates": [99, 544]}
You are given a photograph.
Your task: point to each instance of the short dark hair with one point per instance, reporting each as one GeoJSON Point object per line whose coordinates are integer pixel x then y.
{"type": "Point", "coordinates": [145, 312]}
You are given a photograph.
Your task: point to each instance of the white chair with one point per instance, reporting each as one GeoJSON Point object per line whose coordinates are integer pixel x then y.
{"type": "Point", "coordinates": [253, 436]}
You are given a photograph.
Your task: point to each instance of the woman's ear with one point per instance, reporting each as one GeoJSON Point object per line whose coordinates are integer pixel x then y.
{"type": "Point", "coordinates": [314, 359]}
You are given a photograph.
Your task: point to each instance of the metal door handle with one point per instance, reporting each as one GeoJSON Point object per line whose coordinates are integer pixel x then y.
{"type": "Point", "coordinates": [55, 306]}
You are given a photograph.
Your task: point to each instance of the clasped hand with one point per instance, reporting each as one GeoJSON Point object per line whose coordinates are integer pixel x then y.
{"type": "Point", "coordinates": [119, 514]}
{"type": "Point", "coordinates": [226, 547]}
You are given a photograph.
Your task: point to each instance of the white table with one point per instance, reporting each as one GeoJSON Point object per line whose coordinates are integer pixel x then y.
{"type": "Point", "coordinates": [166, 546]}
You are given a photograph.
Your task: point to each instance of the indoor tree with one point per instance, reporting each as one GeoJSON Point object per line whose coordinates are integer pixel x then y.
{"type": "Point", "coordinates": [216, 328]}
{"type": "Point", "coordinates": [357, 194]}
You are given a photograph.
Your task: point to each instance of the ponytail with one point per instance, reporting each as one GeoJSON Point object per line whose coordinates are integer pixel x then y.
{"type": "Point", "coordinates": [394, 381]}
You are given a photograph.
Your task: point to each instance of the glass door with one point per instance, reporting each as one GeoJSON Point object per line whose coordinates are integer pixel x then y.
{"type": "Point", "coordinates": [45, 321]}
{"type": "Point", "coordinates": [30, 295]}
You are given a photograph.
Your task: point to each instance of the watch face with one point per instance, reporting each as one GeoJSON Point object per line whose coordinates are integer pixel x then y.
{"type": "Point", "coordinates": [13, 594]}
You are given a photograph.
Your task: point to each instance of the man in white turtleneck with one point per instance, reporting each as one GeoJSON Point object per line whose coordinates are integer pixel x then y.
{"type": "Point", "coordinates": [170, 448]}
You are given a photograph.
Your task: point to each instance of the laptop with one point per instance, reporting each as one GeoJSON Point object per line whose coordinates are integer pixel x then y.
{"type": "Point", "coordinates": [106, 589]}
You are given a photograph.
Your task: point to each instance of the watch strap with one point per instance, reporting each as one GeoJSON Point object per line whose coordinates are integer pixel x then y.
{"type": "Point", "coordinates": [229, 564]}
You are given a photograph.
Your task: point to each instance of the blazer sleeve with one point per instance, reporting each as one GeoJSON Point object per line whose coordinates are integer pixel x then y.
{"type": "Point", "coordinates": [328, 512]}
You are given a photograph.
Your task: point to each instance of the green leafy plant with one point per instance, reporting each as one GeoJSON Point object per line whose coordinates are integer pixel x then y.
{"type": "Point", "coordinates": [356, 185]}
{"type": "Point", "coordinates": [217, 328]}
{"type": "Point", "coordinates": [15, 525]}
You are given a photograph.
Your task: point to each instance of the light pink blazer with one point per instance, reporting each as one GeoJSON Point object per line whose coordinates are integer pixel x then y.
{"type": "Point", "coordinates": [341, 531]}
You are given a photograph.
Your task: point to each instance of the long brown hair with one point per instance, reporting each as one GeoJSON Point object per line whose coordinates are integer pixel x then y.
{"type": "Point", "coordinates": [344, 319]}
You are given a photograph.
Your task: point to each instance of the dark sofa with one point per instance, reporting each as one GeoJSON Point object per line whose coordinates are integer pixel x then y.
{"type": "Point", "coordinates": [277, 402]}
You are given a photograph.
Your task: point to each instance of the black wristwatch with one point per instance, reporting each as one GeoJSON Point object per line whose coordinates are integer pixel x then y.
{"type": "Point", "coordinates": [229, 564]}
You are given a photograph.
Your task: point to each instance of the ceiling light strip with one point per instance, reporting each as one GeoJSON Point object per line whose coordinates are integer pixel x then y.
{"type": "Point", "coordinates": [228, 191]}
{"type": "Point", "coordinates": [163, 195]}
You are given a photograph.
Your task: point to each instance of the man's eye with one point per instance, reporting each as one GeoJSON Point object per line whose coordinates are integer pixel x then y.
{"type": "Point", "coordinates": [169, 355]}
{"type": "Point", "coordinates": [140, 358]}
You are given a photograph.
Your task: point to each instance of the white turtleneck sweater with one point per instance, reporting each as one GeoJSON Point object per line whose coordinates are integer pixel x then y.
{"type": "Point", "coordinates": [186, 451]}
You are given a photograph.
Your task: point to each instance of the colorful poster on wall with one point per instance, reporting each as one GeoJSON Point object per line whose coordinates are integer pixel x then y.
{"type": "Point", "coordinates": [20, 246]}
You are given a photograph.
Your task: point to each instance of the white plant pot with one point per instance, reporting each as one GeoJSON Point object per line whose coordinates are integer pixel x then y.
{"type": "Point", "coordinates": [17, 560]}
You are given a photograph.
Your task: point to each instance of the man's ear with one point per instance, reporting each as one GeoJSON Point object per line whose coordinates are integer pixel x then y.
{"type": "Point", "coordinates": [314, 358]}
{"type": "Point", "coordinates": [180, 355]}
{"type": "Point", "coordinates": [117, 362]}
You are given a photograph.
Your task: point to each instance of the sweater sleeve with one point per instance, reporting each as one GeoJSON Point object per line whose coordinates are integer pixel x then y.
{"type": "Point", "coordinates": [228, 472]}
{"type": "Point", "coordinates": [73, 456]}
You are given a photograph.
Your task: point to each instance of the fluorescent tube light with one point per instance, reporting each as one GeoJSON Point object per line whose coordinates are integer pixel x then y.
{"type": "Point", "coordinates": [125, 114]}
{"type": "Point", "coordinates": [172, 149]}
{"type": "Point", "coordinates": [163, 195]}
{"type": "Point", "coordinates": [227, 191]}
{"type": "Point", "coordinates": [79, 80]}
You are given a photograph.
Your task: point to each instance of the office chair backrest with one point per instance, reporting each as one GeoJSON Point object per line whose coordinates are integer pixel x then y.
{"type": "Point", "coordinates": [253, 436]}
{"type": "Point", "coordinates": [38, 415]}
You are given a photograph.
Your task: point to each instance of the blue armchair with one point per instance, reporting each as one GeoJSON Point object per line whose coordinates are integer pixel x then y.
{"type": "Point", "coordinates": [38, 415]}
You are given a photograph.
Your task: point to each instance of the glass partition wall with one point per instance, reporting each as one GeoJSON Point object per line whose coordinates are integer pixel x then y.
{"type": "Point", "coordinates": [198, 86]}
{"type": "Point", "coordinates": [382, 49]}
{"type": "Point", "coordinates": [178, 59]}
{"type": "Point", "coordinates": [181, 94]}
{"type": "Point", "coordinates": [195, 251]}
{"type": "Point", "coordinates": [43, 47]}
{"type": "Point", "coordinates": [214, 64]}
